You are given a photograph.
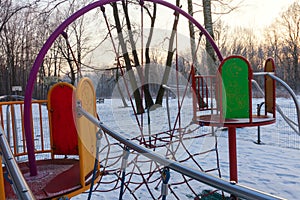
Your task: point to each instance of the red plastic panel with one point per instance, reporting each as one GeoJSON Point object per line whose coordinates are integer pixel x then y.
{"type": "Point", "coordinates": [63, 129]}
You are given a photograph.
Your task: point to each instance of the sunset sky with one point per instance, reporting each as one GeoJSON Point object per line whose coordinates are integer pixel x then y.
{"type": "Point", "coordinates": [257, 13]}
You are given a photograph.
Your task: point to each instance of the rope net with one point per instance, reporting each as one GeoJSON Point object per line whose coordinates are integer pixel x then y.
{"type": "Point", "coordinates": [134, 176]}
{"type": "Point", "coordinates": [165, 126]}
{"type": "Point", "coordinates": [141, 62]}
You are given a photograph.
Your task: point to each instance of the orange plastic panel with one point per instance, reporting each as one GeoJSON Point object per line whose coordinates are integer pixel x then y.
{"type": "Point", "coordinates": [2, 192]}
{"type": "Point", "coordinates": [270, 87]}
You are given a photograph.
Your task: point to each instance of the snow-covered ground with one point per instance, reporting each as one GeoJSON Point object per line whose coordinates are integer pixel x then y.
{"type": "Point", "coordinates": [272, 167]}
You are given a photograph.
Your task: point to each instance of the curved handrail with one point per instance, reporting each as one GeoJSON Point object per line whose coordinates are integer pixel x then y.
{"type": "Point", "coordinates": [290, 122]}
{"type": "Point", "coordinates": [230, 187]}
{"type": "Point", "coordinates": [290, 91]}
{"type": "Point", "coordinates": [19, 184]}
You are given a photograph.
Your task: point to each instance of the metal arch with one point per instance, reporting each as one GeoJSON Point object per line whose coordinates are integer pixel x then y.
{"type": "Point", "coordinates": [48, 44]}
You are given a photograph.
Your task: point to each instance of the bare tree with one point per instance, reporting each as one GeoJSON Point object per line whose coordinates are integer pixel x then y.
{"type": "Point", "coordinates": [132, 79]}
{"type": "Point", "coordinates": [192, 36]}
{"type": "Point", "coordinates": [161, 91]}
{"type": "Point", "coordinates": [149, 100]}
{"type": "Point", "coordinates": [208, 23]}
{"type": "Point", "coordinates": [9, 8]}
{"type": "Point", "coordinates": [290, 23]}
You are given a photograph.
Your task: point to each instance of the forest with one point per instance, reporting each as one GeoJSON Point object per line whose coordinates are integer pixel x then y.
{"type": "Point", "coordinates": [26, 25]}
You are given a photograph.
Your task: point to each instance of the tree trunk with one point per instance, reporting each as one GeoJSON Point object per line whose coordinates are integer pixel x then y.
{"type": "Point", "coordinates": [192, 37]}
{"type": "Point", "coordinates": [161, 91]}
{"type": "Point", "coordinates": [148, 98]}
{"type": "Point", "coordinates": [211, 60]}
{"type": "Point", "coordinates": [193, 51]}
{"type": "Point", "coordinates": [295, 65]}
{"type": "Point", "coordinates": [119, 89]}
{"type": "Point", "coordinates": [149, 102]}
{"type": "Point", "coordinates": [136, 92]}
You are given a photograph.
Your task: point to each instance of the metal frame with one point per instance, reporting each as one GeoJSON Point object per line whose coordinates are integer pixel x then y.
{"type": "Point", "coordinates": [290, 91]}
{"type": "Point", "coordinates": [20, 186]}
{"type": "Point", "coordinates": [230, 187]}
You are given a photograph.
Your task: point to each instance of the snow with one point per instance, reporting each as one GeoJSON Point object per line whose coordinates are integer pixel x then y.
{"type": "Point", "coordinates": [271, 167]}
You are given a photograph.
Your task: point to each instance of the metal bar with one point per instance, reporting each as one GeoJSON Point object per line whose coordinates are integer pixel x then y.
{"type": "Point", "coordinates": [167, 105]}
{"type": "Point", "coordinates": [232, 154]}
{"type": "Point", "coordinates": [263, 73]}
{"type": "Point", "coordinates": [14, 129]}
{"type": "Point", "coordinates": [19, 184]}
{"type": "Point", "coordinates": [23, 131]}
{"type": "Point", "coordinates": [235, 189]}
{"type": "Point", "coordinates": [288, 88]}
{"type": "Point", "coordinates": [8, 124]}
{"type": "Point", "coordinates": [41, 127]}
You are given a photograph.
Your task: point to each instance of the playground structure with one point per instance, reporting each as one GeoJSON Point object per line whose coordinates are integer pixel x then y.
{"type": "Point", "coordinates": [58, 175]}
{"type": "Point", "coordinates": [80, 151]}
{"type": "Point", "coordinates": [234, 109]}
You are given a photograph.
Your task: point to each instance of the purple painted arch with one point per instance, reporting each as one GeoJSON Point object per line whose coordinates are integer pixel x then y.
{"type": "Point", "coordinates": [59, 30]}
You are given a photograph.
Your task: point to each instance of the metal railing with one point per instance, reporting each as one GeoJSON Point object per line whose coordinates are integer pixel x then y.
{"type": "Point", "coordinates": [292, 124]}
{"type": "Point", "coordinates": [230, 187]}
{"type": "Point", "coordinates": [19, 184]}
{"type": "Point", "coordinates": [11, 119]}
{"type": "Point", "coordinates": [204, 91]}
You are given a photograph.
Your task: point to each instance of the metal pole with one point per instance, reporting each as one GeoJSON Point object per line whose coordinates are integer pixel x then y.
{"type": "Point", "coordinates": [232, 154]}
{"type": "Point", "coordinates": [20, 186]}
{"type": "Point", "coordinates": [290, 91]}
{"type": "Point", "coordinates": [230, 187]}
{"type": "Point", "coordinates": [123, 169]}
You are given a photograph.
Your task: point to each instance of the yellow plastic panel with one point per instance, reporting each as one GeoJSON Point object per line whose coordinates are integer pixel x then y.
{"type": "Point", "coordinates": [85, 94]}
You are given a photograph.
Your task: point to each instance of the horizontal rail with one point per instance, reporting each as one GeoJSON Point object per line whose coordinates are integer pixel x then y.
{"type": "Point", "coordinates": [232, 188]}
{"type": "Point", "coordinates": [22, 102]}
{"type": "Point", "coordinates": [20, 186]}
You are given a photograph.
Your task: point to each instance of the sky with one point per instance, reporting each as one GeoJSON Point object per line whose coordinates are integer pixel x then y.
{"type": "Point", "coordinates": [257, 13]}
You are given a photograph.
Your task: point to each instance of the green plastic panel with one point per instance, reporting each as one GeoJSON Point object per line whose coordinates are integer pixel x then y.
{"type": "Point", "coordinates": [235, 90]}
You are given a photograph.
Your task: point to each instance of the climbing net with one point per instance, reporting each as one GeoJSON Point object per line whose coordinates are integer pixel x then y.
{"type": "Point", "coordinates": [153, 65]}
{"type": "Point", "coordinates": [134, 176]}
